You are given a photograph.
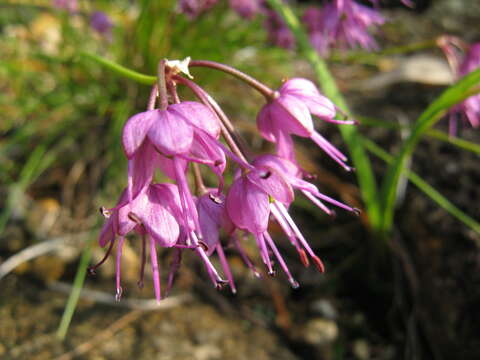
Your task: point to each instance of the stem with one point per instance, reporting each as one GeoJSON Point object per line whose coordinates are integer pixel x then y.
{"type": "Point", "coordinates": [162, 85]}
{"type": "Point", "coordinates": [121, 70]}
{"type": "Point", "coordinates": [365, 176]}
{"type": "Point", "coordinates": [257, 85]}
{"type": "Point", "coordinates": [153, 97]}
{"type": "Point", "coordinates": [200, 186]}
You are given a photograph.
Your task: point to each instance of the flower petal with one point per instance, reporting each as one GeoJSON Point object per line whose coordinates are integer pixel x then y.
{"type": "Point", "coordinates": [159, 222]}
{"type": "Point", "coordinates": [271, 182]}
{"type": "Point", "coordinates": [199, 116]}
{"type": "Point", "coordinates": [171, 135]}
{"type": "Point", "coordinates": [265, 123]}
{"type": "Point", "coordinates": [306, 91]}
{"type": "Point", "coordinates": [136, 129]}
{"type": "Point", "coordinates": [248, 206]}
{"type": "Point", "coordinates": [291, 115]}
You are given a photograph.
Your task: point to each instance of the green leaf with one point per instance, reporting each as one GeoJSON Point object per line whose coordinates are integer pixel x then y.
{"type": "Point", "coordinates": [458, 92]}
{"type": "Point", "coordinates": [426, 188]}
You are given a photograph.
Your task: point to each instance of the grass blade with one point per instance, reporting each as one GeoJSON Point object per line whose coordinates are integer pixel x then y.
{"type": "Point", "coordinates": [463, 89]}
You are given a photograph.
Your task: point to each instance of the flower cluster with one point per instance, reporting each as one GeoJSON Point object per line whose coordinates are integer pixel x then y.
{"type": "Point", "coordinates": [182, 139]}
{"type": "Point", "coordinates": [339, 23]}
{"type": "Point", "coordinates": [463, 59]}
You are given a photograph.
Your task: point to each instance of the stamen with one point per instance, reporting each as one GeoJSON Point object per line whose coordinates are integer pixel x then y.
{"type": "Point", "coordinates": [92, 269]}
{"type": "Point", "coordinates": [155, 269]}
{"type": "Point", "coordinates": [279, 257]}
{"type": "Point", "coordinates": [118, 268]}
{"type": "Point", "coordinates": [303, 257]}
{"type": "Point", "coordinates": [245, 257]}
{"type": "Point", "coordinates": [226, 267]}
{"type": "Point", "coordinates": [142, 266]}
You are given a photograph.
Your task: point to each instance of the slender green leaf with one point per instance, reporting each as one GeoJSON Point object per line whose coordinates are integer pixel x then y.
{"type": "Point", "coordinates": [463, 89]}
{"type": "Point", "coordinates": [426, 188]}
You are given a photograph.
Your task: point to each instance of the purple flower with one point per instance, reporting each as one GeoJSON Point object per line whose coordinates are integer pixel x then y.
{"type": "Point", "coordinates": [253, 197]}
{"type": "Point", "coordinates": [100, 22]}
{"type": "Point", "coordinates": [246, 8]}
{"type": "Point", "coordinates": [289, 114]}
{"type": "Point", "coordinates": [150, 215]}
{"type": "Point", "coordinates": [193, 8]}
{"type": "Point", "coordinates": [342, 23]}
{"type": "Point", "coordinates": [463, 64]}
{"type": "Point", "coordinates": [69, 5]}
{"type": "Point", "coordinates": [293, 175]}
{"type": "Point", "coordinates": [278, 32]}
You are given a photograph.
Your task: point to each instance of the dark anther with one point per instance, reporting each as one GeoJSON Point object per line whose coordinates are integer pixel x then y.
{"type": "Point", "coordinates": [91, 271]}
{"type": "Point", "coordinates": [132, 216]}
{"type": "Point", "coordinates": [218, 162]}
{"type": "Point", "coordinates": [215, 199]}
{"type": "Point", "coordinates": [266, 174]}
{"type": "Point", "coordinates": [203, 245]}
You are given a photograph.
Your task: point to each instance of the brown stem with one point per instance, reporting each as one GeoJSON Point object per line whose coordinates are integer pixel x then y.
{"type": "Point", "coordinates": [268, 93]}
{"type": "Point", "coordinates": [153, 97]}
{"type": "Point", "coordinates": [162, 85]}
{"type": "Point", "coordinates": [200, 186]}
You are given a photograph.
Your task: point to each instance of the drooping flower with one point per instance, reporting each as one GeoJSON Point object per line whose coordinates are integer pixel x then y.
{"type": "Point", "coordinates": [278, 32]}
{"type": "Point", "coordinates": [463, 59]}
{"type": "Point", "coordinates": [149, 215]}
{"type": "Point", "coordinates": [294, 176]}
{"type": "Point", "coordinates": [342, 24]}
{"type": "Point", "coordinates": [289, 114]}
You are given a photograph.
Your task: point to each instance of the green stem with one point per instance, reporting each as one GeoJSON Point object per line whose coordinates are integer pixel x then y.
{"type": "Point", "coordinates": [76, 290]}
{"type": "Point", "coordinates": [121, 70]}
{"type": "Point", "coordinates": [365, 176]}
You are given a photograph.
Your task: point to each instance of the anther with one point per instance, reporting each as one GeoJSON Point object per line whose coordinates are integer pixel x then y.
{"type": "Point", "coordinates": [318, 264]}
{"type": "Point", "coordinates": [266, 174]}
{"type": "Point", "coordinates": [132, 216]}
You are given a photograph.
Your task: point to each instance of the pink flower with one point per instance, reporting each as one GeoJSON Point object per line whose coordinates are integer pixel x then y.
{"type": "Point", "coordinates": [289, 114]}
{"type": "Point", "coordinates": [342, 23]}
{"type": "Point", "coordinates": [252, 198]}
{"type": "Point", "coordinates": [278, 32]}
{"type": "Point", "coordinates": [149, 215]}
{"type": "Point", "coordinates": [462, 64]}
{"type": "Point", "coordinates": [293, 175]}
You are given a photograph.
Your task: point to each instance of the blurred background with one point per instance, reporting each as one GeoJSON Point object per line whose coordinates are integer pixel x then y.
{"type": "Point", "coordinates": [61, 117]}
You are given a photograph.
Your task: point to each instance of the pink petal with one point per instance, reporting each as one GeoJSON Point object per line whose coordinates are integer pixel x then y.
{"type": "Point", "coordinates": [291, 115]}
{"type": "Point", "coordinates": [136, 129]}
{"type": "Point", "coordinates": [265, 123]}
{"type": "Point", "coordinates": [171, 135]}
{"type": "Point", "coordinates": [210, 215]}
{"type": "Point", "coordinates": [198, 115]}
{"type": "Point", "coordinates": [159, 222]}
{"type": "Point", "coordinates": [141, 168]}
{"type": "Point", "coordinates": [107, 233]}
{"type": "Point", "coordinates": [307, 92]}
{"type": "Point", "coordinates": [274, 184]}
{"type": "Point", "coordinates": [248, 206]}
